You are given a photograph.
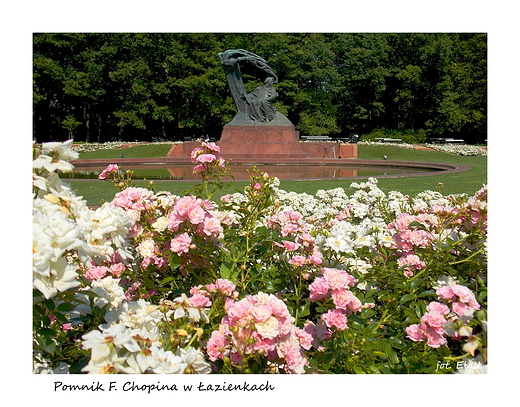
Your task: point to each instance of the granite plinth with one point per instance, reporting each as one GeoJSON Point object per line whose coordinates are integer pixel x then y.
{"type": "Point", "coordinates": [277, 140]}
{"type": "Point", "coordinates": [260, 142]}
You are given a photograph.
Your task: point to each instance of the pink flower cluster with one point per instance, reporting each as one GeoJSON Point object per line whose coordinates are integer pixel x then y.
{"type": "Point", "coordinates": [432, 326]}
{"type": "Point", "coordinates": [98, 272]}
{"type": "Point", "coordinates": [134, 198]}
{"type": "Point", "coordinates": [302, 247]}
{"type": "Point", "coordinates": [287, 222]}
{"type": "Point", "coordinates": [206, 157]}
{"type": "Point", "coordinates": [164, 223]}
{"type": "Point", "coordinates": [477, 207]}
{"type": "Point", "coordinates": [260, 325]}
{"type": "Point", "coordinates": [192, 215]}
{"type": "Point", "coordinates": [114, 267]}
{"type": "Point", "coordinates": [134, 201]}
{"type": "Point", "coordinates": [412, 232]}
{"type": "Point", "coordinates": [201, 296]}
{"type": "Point", "coordinates": [461, 298]}
{"type": "Point", "coordinates": [335, 284]}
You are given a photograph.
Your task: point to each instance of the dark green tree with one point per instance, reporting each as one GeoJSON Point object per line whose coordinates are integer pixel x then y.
{"type": "Point", "coordinates": [145, 86]}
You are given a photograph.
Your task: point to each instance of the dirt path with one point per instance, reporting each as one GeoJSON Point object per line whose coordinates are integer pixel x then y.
{"type": "Point", "coordinates": [421, 147]}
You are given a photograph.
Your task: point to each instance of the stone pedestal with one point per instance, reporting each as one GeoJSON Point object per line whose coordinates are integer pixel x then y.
{"type": "Point", "coordinates": [247, 139]}
{"type": "Point", "coordinates": [276, 141]}
{"type": "Point", "coordinates": [251, 142]}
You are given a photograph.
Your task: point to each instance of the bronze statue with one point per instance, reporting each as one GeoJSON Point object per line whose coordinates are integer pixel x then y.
{"type": "Point", "coordinates": [255, 106]}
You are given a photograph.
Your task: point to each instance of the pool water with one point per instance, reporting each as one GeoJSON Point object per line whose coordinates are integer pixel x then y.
{"type": "Point", "coordinates": [184, 172]}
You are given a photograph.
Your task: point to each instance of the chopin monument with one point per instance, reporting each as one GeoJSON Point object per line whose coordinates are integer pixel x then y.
{"type": "Point", "coordinates": [255, 107]}
{"type": "Point", "coordinates": [258, 130]}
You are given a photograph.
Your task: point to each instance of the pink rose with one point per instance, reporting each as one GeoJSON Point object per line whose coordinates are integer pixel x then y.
{"type": "Point", "coordinates": [174, 221]}
{"type": "Point", "coordinates": [181, 243]}
{"type": "Point", "coordinates": [319, 289]}
{"type": "Point", "coordinates": [197, 290]}
{"type": "Point", "coordinates": [196, 214]}
{"type": "Point", "coordinates": [226, 287]}
{"type": "Point", "coordinates": [200, 301]}
{"type": "Point", "coordinates": [298, 260]}
{"type": "Point", "coordinates": [196, 152]}
{"type": "Point", "coordinates": [184, 204]}
{"type": "Point", "coordinates": [205, 158]}
{"type": "Point", "coordinates": [261, 313]}
{"type": "Point", "coordinates": [434, 320]}
{"type": "Point", "coordinates": [335, 318]}
{"type": "Point", "coordinates": [442, 309]}
{"type": "Point", "coordinates": [445, 292]}
{"type": "Point", "coordinates": [211, 146]}
{"type": "Point", "coordinates": [434, 339]}
{"type": "Point", "coordinates": [316, 257]}
{"type": "Point", "coordinates": [265, 345]}
{"type": "Point", "coordinates": [96, 273]}
{"type": "Point", "coordinates": [460, 308]}
{"type": "Point", "coordinates": [238, 309]}
{"type": "Point", "coordinates": [110, 169]}
{"type": "Point", "coordinates": [294, 216]}
{"type": "Point", "coordinates": [464, 293]}
{"type": "Point", "coordinates": [345, 300]}
{"type": "Point", "coordinates": [235, 358]}
{"type": "Point", "coordinates": [412, 261]}
{"type": "Point", "coordinates": [216, 346]}
{"type": "Point", "coordinates": [117, 269]}
{"type": "Point", "coordinates": [415, 333]}
{"type": "Point", "coordinates": [305, 338]}
{"type": "Point", "coordinates": [199, 168]}
{"type": "Point", "coordinates": [289, 228]}
{"type": "Point", "coordinates": [295, 360]}
{"type": "Point", "coordinates": [290, 246]}
{"type": "Point", "coordinates": [278, 307]}
{"type": "Point", "coordinates": [338, 279]}
{"type": "Point", "coordinates": [212, 226]}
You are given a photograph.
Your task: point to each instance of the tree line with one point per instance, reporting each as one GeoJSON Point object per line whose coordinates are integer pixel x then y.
{"type": "Point", "coordinates": [99, 87]}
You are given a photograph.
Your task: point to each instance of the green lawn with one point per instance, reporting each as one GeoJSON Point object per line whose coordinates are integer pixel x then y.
{"type": "Point", "coordinates": [96, 191]}
{"type": "Point", "coordinates": [140, 151]}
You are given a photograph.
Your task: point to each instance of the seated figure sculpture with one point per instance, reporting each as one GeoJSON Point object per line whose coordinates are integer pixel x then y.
{"type": "Point", "coordinates": [260, 102]}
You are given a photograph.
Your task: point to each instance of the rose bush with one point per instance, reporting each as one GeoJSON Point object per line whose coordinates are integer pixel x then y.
{"type": "Point", "coordinates": [259, 281]}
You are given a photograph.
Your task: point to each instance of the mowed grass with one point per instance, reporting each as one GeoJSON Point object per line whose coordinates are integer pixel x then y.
{"type": "Point", "coordinates": [139, 151]}
{"type": "Point", "coordinates": [96, 191]}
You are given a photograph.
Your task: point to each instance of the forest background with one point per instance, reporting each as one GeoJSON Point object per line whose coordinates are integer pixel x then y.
{"type": "Point", "coordinates": [100, 87]}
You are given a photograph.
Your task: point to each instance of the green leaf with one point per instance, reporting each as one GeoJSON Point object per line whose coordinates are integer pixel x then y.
{"type": "Point", "coordinates": [407, 297]}
{"type": "Point", "coordinates": [374, 369]}
{"type": "Point", "coordinates": [65, 307]}
{"type": "Point", "coordinates": [167, 280]}
{"type": "Point", "coordinates": [415, 283]}
{"type": "Point", "coordinates": [60, 317]}
{"type": "Point", "coordinates": [49, 304]}
{"type": "Point", "coordinates": [426, 293]}
{"type": "Point", "coordinates": [175, 262]}
{"type": "Point", "coordinates": [47, 345]}
{"type": "Point", "coordinates": [304, 309]}
{"type": "Point", "coordinates": [393, 357]}
{"type": "Point", "coordinates": [367, 313]}
{"type": "Point", "coordinates": [225, 270]}
{"type": "Point", "coordinates": [358, 370]}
